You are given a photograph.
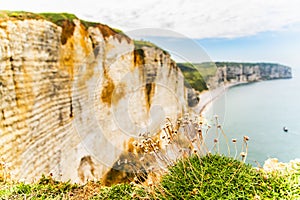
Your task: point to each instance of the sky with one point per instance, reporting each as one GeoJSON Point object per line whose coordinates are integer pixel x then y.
{"type": "Point", "coordinates": [231, 30]}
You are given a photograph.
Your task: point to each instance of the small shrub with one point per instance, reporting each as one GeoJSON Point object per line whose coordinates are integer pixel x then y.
{"type": "Point", "coordinates": [220, 177]}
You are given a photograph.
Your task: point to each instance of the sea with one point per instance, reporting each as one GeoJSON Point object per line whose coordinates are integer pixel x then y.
{"type": "Point", "coordinates": [260, 111]}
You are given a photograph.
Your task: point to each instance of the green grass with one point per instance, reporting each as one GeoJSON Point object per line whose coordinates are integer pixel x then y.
{"type": "Point", "coordinates": [56, 18]}
{"type": "Point", "coordinates": [138, 44]}
{"type": "Point", "coordinates": [205, 69]}
{"type": "Point", "coordinates": [220, 177]}
{"type": "Point", "coordinates": [20, 15]}
{"type": "Point", "coordinates": [195, 75]}
{"type": "Point", "coordinates": [209, 177]}
{"type": "Point", "coordinates": [46, 188]}
{"type": "Point", "coordinates": [213, 177]}
{"type": "Point", "coordinates": [121, 191]}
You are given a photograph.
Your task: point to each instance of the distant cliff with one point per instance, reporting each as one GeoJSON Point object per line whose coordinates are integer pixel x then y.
{"type": "Point", "coordinates": [213, 75]}
{"type": "Point", "coordinates": [228, 72]}
{"type": "Point", "coordinates": [75, 93]}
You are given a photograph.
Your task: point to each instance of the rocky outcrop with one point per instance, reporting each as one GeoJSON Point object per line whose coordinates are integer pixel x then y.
{"type": "Point", "coordinates": [246, 72]}
{"type": "Point", "coordinates": [72, 97]}
{"type": "Point", "coordinates": [273, 165]}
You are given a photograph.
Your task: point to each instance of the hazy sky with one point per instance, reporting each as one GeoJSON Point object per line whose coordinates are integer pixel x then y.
{"type": "Point", "coordinates": [242, 30]}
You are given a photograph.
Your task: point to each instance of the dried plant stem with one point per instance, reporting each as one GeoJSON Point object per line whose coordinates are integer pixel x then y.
{"type": "Point", "coordinates": [235, 148]}
{"type": "Point", "coordinates": [226, 139]}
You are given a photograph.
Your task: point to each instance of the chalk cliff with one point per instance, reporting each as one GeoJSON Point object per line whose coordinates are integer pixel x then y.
{"type": "Point", "coordinates": [227, 72]}
{"type": "Point", "coordinates": [73, 95]}
{"type": "Point", "coordinates": [212, 75]}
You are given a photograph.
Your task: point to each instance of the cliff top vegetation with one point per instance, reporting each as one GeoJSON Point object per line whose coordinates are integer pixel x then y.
{"type": "Point", "coordinates": [56, 18]}
{"type": "Point", "coordinates": [195, 74]}
{"type": "Point", "coordinates": [212, 176]}
{"type": "Point", "coordinates": [138, 44]}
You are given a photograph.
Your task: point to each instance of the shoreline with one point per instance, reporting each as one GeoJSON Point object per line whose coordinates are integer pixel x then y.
{"type": "Point", "coordinates": [208, 96]}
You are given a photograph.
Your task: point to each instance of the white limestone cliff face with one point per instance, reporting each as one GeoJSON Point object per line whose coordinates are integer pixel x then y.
{"type": "Point", "coordinates": [247, 72]}
{"type": "Point", "coordinates": [72, 97]}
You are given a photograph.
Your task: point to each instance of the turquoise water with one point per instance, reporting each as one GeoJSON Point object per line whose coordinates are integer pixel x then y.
{"type": "Point", "coordinates": [261, 110]}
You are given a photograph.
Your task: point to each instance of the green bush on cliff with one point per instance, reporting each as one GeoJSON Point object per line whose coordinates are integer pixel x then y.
{"type": "Point", "coordinates": [193, 76]}
{"type": "Point", "coordinates": [212, 177]}
{"type": "Point", "coordinates": [220, 177]}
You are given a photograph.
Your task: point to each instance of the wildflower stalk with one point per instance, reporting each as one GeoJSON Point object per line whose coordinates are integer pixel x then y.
{"type": "Point", "coordinates": [226, 139]}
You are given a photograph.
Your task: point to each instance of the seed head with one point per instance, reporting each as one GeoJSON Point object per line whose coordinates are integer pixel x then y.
{"type": "Point", "coordinates": [215, 140]}
{"type": "Point", "coordinates": [246, 138]}
{"type": "Point", "coordinates": [134, 195]}
{"type": "Point", "coordinates": [135, 143]}
{"type": "Point", "coordinates": [135, 179]}
{"type": "Point", "coordinates": [194, 191]}
{"type": "Point", "coordinates": [243, 154]}
{"type": "Point", "coordinates": [234, 140]}
{"type": "Point", "coordinates": [256, 197]}
{"type": "Point", "coordinates": [150, 183]}
{"type": "Point", "coordinates": [151, 168]}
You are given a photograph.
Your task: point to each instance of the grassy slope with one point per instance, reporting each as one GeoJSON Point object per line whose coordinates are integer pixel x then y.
{"type": "Point", "coordinates": [195, 74]}
{"type": "Point", "coordinates": [56, 18]}
{"type": "Point", "coordinates": [138, 44]}
{"type": "Point", "coordinates": [212, 176]}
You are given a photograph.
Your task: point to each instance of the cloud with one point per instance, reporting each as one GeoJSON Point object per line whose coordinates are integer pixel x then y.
{"type": "Point", "coordinates": [195, 19]}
